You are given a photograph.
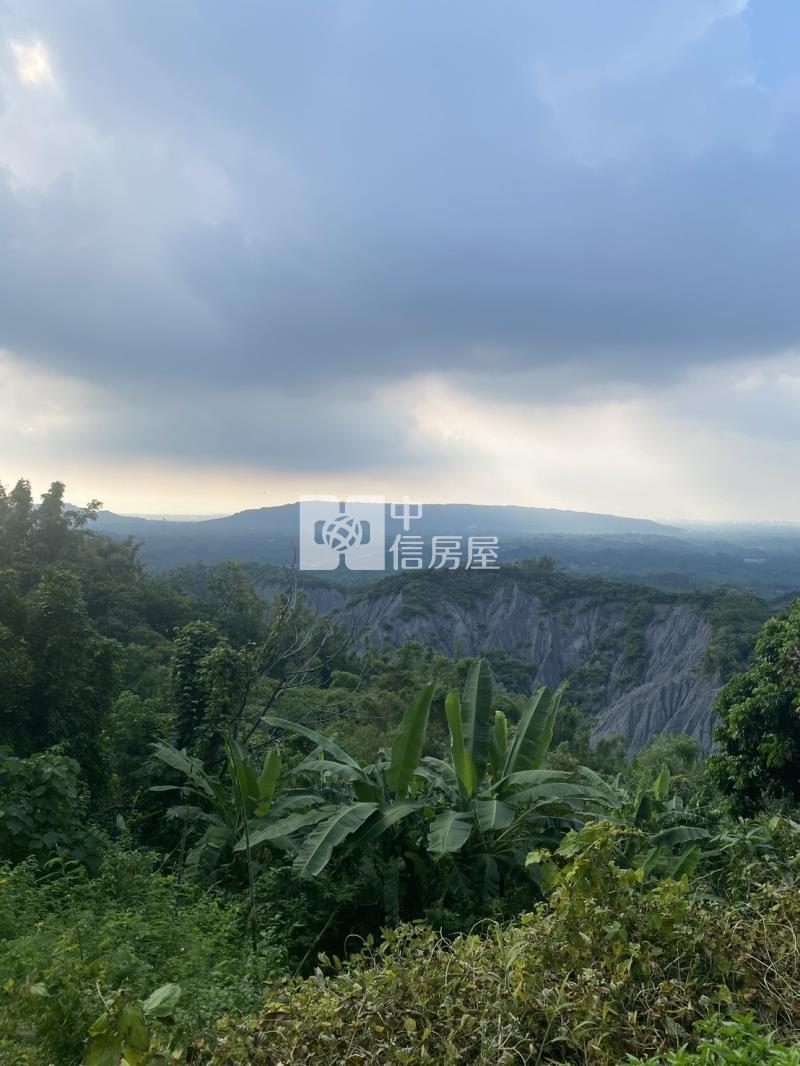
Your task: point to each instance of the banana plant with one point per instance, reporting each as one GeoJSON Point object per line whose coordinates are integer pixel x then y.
{"type": "Point", "coordinates": [655, 837]}
{"type": "Point", "coordinates": [224, 809]}
{"type": "Point", "coordinates": [499, 798]}
{"type": "Point", "coordinates": [492, 792]}
{"type": "Point", "coordinates": [372, 799]}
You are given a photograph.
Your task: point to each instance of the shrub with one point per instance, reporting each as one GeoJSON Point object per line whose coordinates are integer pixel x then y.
{"type": "Point", "coordinates": [42, 809]}
{"type": "Point", "coordinates": [737, 1041]}
{"type": "Point", "coordinates": [607, 969]}
{"type": "Point", "coordinates": [66, 940]}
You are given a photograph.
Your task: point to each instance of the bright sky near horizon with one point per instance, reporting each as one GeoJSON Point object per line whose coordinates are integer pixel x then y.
{"type": "Point", "coordinates": [537, 253]}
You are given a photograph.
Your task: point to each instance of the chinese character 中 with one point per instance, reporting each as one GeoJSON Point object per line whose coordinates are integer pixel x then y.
{"type": "Point", "coordinates": [406, 512]}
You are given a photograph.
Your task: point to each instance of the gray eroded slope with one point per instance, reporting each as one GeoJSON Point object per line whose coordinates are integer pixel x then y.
{"type": "Point", "coordinates": [635, 657]}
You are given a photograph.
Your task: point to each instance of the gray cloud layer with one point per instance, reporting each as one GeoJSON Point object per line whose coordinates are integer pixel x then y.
{"type": "Point", "coordinates": [291, 195]}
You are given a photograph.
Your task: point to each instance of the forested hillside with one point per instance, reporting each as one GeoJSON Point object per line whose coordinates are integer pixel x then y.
{"type": "Point", "coordinates": [225, 793]}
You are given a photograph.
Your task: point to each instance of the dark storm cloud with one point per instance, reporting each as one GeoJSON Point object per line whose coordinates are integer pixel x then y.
{"type": "Point", "coordinates": [346, 432]}
{"type": "Point", "coordinates": [309, 192]}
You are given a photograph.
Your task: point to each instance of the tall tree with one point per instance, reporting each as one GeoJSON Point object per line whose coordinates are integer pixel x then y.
{"type": "Point", "coordinates": [236, 607]}
{"type": "Point", "coordinates": [72, 679]}
{"type": "Point", "coordinates": [758, 734]}
{"type": "Point", "coordinates": [33, 537]}
{"type": "Point", "coordinates": [209, 684]}
{"type": "Point", "coordinates": [16, 523]}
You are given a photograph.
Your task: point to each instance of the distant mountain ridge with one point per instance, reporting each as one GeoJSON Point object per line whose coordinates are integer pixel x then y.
{"type": "Point", "coordinates": [436, 517]}
{"type": "Point", "coordinates": [483, 518]}
{"type": "Point", "coordinates": [270, 535]}
{"type": "Point", "coordinates": [765, 559]}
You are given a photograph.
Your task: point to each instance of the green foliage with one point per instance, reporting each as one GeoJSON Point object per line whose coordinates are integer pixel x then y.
{"type": "Point", "coordinates": [633, 659]}
{"type": "Point", "coordinates": [122, 1035]}
{"type": "Point", "coordinates": [683, 758]}
{"type": "Point", "coordinates": [645, 830]}
{"type": "Point", "coordinates": [608, 968]}
{"type": "Point", "coordinates": [234, 605]}
{"type": "Point", "coordinates": [735, 1041]}
{"type": "Point", "coordinates": [70, 687]}
{"type": "Point", "coordinates": [460, 757]}
{"type": "Point", "coordinates": [758, 735]}
{"type": "Point", "coordinates": [511, 669]}
{"type": "Point", "coordinates": [80, 622]}
{"type": "Point", "coordinates": [573, 745]}
{"type": "Point", "coordinates": [194, 646]}
{"type": "Point", "coordinates": [42, 810]}
{"type": "Point", "coordinates": [736, 618]}
{"type": "Point", "coordinates": [322, 794]}
{"type": "Point", "coordinates": [33, 537]}
{"type": "Point", "coordinates": [409, 742]}
{"type": "Point", "coordinates": [66, 940]}
{"type": "Point", "coordinates": [325, 913]}
{"type": "Point", "coordinates": [128, 743]}
{"type": "Point", "coordinates": [460, 836]}
{"type": "Point", "coordinates": [535, 732]}
{"type": "Point", "coordinates": [743, 853]}
{"type": "Point", "coordinates": [315, 852]}
{"type": "Point", "coordinates": [476, 715]}
{"type": "Point", "coordinates": [224, 808]}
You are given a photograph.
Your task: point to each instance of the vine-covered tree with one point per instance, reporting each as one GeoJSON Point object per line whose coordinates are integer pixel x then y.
{"type": "Point", "coordinates": [193, 643]}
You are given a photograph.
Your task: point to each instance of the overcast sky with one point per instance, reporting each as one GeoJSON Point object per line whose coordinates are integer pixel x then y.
{"type": "Point", "coordinates": [542, 252]}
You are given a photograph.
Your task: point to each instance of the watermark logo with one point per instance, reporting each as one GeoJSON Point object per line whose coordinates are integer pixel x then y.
{"type": "Point", "coordinates": [350, 533]}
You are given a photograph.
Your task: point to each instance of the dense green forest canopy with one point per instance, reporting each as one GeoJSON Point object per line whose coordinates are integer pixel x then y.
{"type": "Point", "coordinates": [208, 787]}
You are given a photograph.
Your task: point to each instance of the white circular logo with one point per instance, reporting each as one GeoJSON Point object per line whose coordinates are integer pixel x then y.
{"type": "Point", "coordinates": [342, 532]}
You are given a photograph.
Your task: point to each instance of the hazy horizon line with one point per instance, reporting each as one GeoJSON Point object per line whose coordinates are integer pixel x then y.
{"type": "Point", "coordinates": [158, 516]}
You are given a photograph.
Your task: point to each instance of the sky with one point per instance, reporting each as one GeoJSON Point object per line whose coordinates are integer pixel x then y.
{"type": "Point", "coordinates": [530, 252]}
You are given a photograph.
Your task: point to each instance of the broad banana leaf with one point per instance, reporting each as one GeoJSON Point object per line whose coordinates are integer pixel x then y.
{"type": "Point", "coordinates": [282, 827]}
{"type": "Point", "coordinates": [678, 834]}
{"type": "Point", "coordinates": [648, 861]}
{"type": "Point", "coordinates": [317, 739]}
{"type": "Point", "coordinates": [449, 832]}
{"type": "Point", "coordinates": [242, 773]}
{"type": "Point", "coordinates": [441, 775]}
{"type": "Point", "coordinates": [189, 813]}
{"type": "Point", "coordinates": [613, 795]}
{"type": "Point", "coordinates": [476, 715]}
{"type": "Point", "coordinates": [409, 742]}
{"type": "Point", "coordinates": [520, 779]}
{"type": "Point", "coordinates": [270, 775]}
{"type": "Point", "coordinates": [465, 768]}
{"type": "Point", "coordinates": [317, 849]}
{"type": "Point", "coordinates": [383, 819]}
{"type": "Point", "coordinates": [499, 745]}
{"type": "Point", "coordinates": [660, 787]}
{"type": "Point", "coordinates": [487, 875]}
{"type": "Point", "coordinates": [314, 765]}
{"type": "Point", "coordinates": [528, 750]}
{"type": "Point", "coordinates": [554, 791]}
{"type": "Point", "coordinates": [493, 814]}
{"type": "Point", "coordinates": [368, 791]}
{"type": "Point", "coordinates": [642, 807]}
{"type": "Point", "coordinates": [188, 765]}
{"type": "Point", "coordinates": [686, 864]}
